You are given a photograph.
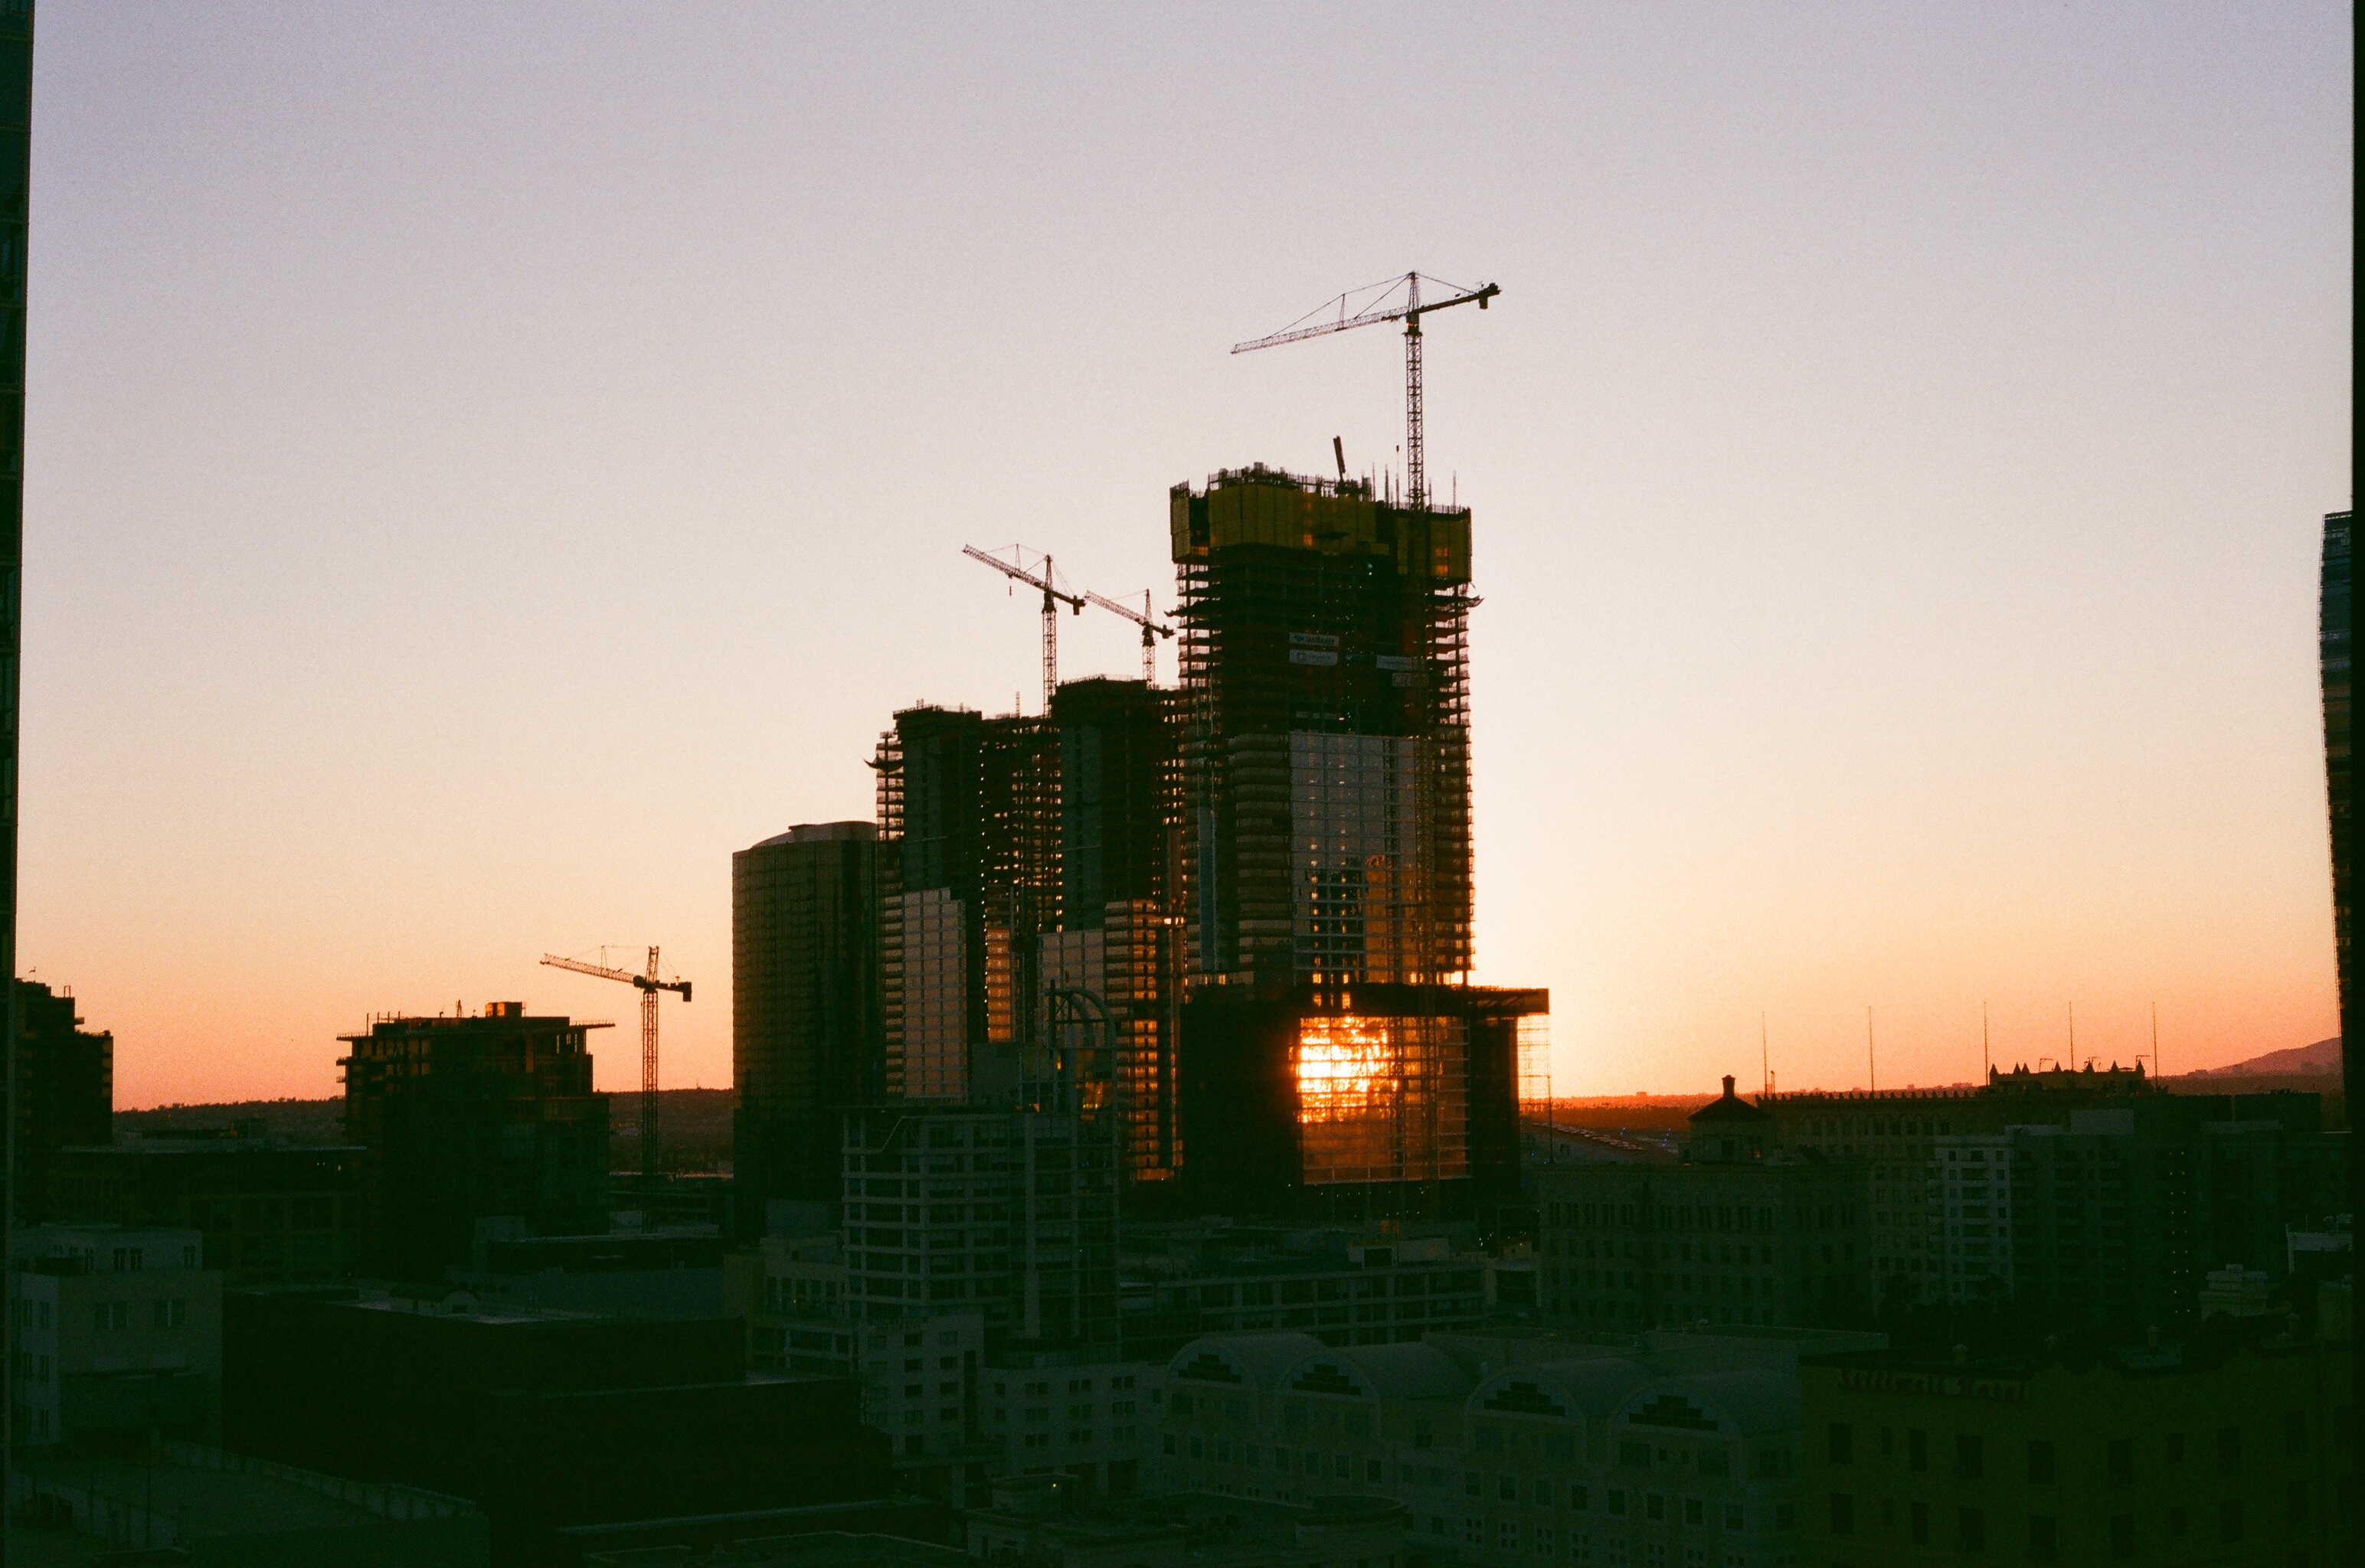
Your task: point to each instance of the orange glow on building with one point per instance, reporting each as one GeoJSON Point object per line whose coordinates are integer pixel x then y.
{"type": "Point", "coordinates": [1382, 1099]}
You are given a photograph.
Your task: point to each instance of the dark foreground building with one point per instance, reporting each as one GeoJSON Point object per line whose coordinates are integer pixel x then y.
{"type": "Point", "coordinates": [63, 1092]}
{"type": "Point", "coordinates": [806, 1037]}
{"type": "Point", "coordinates": [2333, 649]}
{"type": "Point", "coordinates": [465, 1119]}
{"type": "Point", "coordinates": [547, 1420]}
{"type": "Point", "coordinates": [271, 1212]}
{"type": "Point", "coordinates": [2220, 1447]}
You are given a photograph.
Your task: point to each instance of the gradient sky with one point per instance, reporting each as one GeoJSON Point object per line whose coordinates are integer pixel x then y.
{"type": "Point", "coordinates": [486, 463]}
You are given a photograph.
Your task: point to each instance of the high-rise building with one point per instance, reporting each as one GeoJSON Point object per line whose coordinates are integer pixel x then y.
{"type": "Point", "coordinates": [970, 808]}
{"type": "Point", "coordinates": [2333, 650]}
{"type": "Point", "coordinates": [63, 1092]}
{"type": "Point", "coordinates": [1329, 1053]}
{"type": "Point", "coordinates": [1120, 864]}
{"type": "Point", "coordinates": [469, 1119]}
{"type": "Point", "coordinates": [807, 1040]}
{"type": "Point", "coordinates": [16, 178]}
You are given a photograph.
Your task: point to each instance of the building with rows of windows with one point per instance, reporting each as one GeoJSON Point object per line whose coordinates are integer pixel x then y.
{"type": "Point", "coordinates": [115, 1332]}
{"type": "Point", "coordinates": [1667, 1451]}
{"type": "Point", "coordinates": [1740, 1234]}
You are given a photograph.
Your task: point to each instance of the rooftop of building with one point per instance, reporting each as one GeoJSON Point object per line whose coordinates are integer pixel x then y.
{"type": "Point", "coordinates": [1731, 1107]}
{"type": "Point", "coordinates": [823, 833]}
{"type": "Point", "coordinates": [2148, 1353]}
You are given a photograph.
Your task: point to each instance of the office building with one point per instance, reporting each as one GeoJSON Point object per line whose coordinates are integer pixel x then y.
{"type": "Point", "coordinates": [968, 819]}
{"type": "Point", "coordinates": [2335, 610]}
{"type": "Point", "coordinates": [1011, 1215]}
{"type": "Point", "coordinates": [470, 1119]}
{"type": "Point", "coordinates": [1895, 1133]}
{"type": "Point", "coordinates": [115, 1331]}
{"type": "Point", "coordinates": [1329, 1060]}
{"type": "Point", "coordinates": [807, 1039]}
{"type": "Point", "coordinates": [63, 1092]}
{"type": "Point", "coordinates": [1660, 1449]}
{"type": "Point", "coordinates": [271, 1211]}
{"type": "Point", "coordinates": [1740, 1233]}
{"type": "Point", "coordinates": [2160, 1453]}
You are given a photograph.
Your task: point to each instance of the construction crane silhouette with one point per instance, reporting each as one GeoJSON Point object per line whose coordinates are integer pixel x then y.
{"type": "Point", "coordinates": [1387, 307]}
{"type": "Point", "coordinates": [1151, 630]}
{"type": "Point", "coordinates": [648, 985]}
{"type": "Point", "coordinates": [1052, 599]}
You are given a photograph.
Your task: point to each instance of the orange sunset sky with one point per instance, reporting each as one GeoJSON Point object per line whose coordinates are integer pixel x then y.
{"type": "Point", "coordinates": [486, 464]}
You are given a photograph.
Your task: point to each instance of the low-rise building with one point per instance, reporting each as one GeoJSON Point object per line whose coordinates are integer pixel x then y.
{"type": "Point", "coordinates": [1667, 1448]}
{"type": "Point", "coordinates": [273, 1212]}
{"type": "Point", "coordinates": [116, 1331]}
{"type": "Point", "coordinates": [1092, 1423]}
{"type": "Point", "coordinates": [1738, 1234]}
{"type": "Point", "coordinates": [2161, 1453]}
{"type": "Point", "coordinates": [1344, 1288]}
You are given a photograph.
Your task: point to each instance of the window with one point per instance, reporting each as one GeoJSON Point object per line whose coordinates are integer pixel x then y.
{"type": "Point", "coordinates": [1842, 1443]}
{"type": "Point", "coordinates": [2295, 1432]}
{"type": "Point", "coordinates": [1918, 1521]}
{"type": "Point", "coordinates": [2122, 1461]}
{"type": "Point", "coordinates": [2229, 1520]}
{"type": "Point", "coordinates": [1694, 1511]}
{"type": "Point", "coordinates": [2041, 1538]}
{"type": "Point", "coordinates": [1917, 1451]}
{"type": "Point", "coordinates": [172, 1313]}
{"type": "Point", "coordinates": [1472, 1483]}
{"type": "Point", "coordinates": [108, 1317]}
{"type": "Point", "coordinates": [1843, 1514]}
{"type": "Point", "coordinates": [1374, 1470]}
{"type": "Point", "coordinates": [1169, 1445]}
{"type": "Point", "coordinates": [1970, 1456]}
{"type": "Point", "coordinates": [1970, 1529]}
{"type": "Point", "coordinates": [1655, 1508]}
{"type": "Point", "coordinates": [1635, 1456]}
{"type": "Point", "coordinates": [2040, 1461]}
{"type": "Point", "coordinates": [2122, 1535]}
{"type": "Point", "coordinates": [2176, 1447]}
{"type": "Point", "coordinates": [2229, 1451]}
{"type": "Point", "coordinates": [1735, 1516]}
{"type": "Point", "coordinates": [1617, 1504]}
{"type": "Point", "coordinates": [1507, 1487]}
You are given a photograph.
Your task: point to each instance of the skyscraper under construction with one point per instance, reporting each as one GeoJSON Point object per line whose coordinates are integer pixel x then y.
{"type": "Point", "coordinates": [1329, 1047]}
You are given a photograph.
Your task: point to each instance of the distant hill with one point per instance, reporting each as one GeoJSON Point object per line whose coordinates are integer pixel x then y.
{"type": "Point", "coordinates": [2321, 1059]}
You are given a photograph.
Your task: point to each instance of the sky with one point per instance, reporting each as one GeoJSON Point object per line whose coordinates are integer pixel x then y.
{"type": "Point", "coordinates": [486, 464]}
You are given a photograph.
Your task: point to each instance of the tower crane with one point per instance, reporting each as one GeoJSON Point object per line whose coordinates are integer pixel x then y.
{"type": "Point", "coordinates": [1150, 630]}
{"type": "Point", "coordinates": [1389, 306]}
{"type": "Point", "coordinates": [648, 985]}
{"type": "Point", "coordinates": [1052, 599]}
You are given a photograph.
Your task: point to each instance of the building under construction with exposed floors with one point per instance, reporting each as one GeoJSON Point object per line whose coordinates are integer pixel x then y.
{"type": "Point", "coordinates": [1329, 1050]}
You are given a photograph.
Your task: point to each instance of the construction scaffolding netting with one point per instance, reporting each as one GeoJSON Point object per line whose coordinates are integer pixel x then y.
{"type": "Point", "coordinates": [1382, 1099]}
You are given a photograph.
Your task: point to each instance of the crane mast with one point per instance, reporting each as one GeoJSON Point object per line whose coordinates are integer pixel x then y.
{"type": "Point", "coordinates": [1052, 599]}
{"type": "Point", "coordinates": [648, 985]}
{"type": "Point", "coordinates": [1386, 308]}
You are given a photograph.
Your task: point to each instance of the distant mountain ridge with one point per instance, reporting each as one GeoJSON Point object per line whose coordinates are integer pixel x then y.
{"type": "Point", "coordinates": [2320, 1058]}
